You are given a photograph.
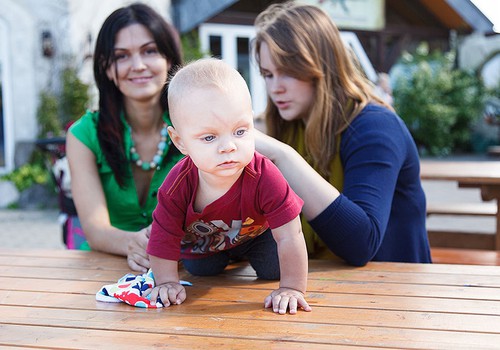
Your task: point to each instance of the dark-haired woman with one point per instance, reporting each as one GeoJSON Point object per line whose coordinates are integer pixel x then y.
{"type": "Point", "coordinates": [120, 154]}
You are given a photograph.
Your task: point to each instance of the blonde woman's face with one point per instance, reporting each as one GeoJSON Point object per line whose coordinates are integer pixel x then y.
{"type": "Point", "coordinates": [292, 97]}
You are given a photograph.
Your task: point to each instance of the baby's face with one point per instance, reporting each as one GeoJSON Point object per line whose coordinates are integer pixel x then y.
{"type": "Point", "coordinates": [215, 128]}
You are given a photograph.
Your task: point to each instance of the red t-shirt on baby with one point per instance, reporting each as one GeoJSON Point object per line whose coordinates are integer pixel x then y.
{"type": "Point", "coordinates": [260, 199]}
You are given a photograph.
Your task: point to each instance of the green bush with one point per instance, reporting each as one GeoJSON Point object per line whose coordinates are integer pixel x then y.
{"type": "Point", "coordinates": [191, 46]}
{"type": "Point", "coordinates": [55, 111]}
{"type": "Point", "coordinates": [74, 96]}
{"type": "Point", "coordinates": [28, 175]}
{"type": "Point", "coordinates": [438, 102]}
{"type": "Point", "coordinates": [48, 116]}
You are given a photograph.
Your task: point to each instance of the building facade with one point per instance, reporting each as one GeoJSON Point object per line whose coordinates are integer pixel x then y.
{"type": "Point", "coordinates": [39, 38]}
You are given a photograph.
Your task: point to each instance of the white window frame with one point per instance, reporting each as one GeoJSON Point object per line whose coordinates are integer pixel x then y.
{"type": "Point", "coordinates": [6, 100]}
{"type": "Point", "coordinates": [229, 34]}
{"type": "Point", "coordinates": [351, 40]}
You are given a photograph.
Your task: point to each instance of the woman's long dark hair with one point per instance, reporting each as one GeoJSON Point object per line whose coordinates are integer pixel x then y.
{"type": "Point", "coordinates": [109, 127]}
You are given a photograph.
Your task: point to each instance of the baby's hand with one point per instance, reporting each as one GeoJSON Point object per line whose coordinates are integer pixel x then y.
{"type": "Point", "coordinates": [169, 293]}
{"type": "Point", "coordinates": [286, 298]}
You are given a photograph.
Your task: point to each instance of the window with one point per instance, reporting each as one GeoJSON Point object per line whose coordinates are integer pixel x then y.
{"type": "Point", "coordinates": [231, 43]}
{"type": "Point", "coordinates": [2, 137]}
{"type": "Point", "coordinates": [4, 99]}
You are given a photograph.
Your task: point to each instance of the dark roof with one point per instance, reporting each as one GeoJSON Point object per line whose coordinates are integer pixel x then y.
{"type": "Point", "coordinates": [460, 15]}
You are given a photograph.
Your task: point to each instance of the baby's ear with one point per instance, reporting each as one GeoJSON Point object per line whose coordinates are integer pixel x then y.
{"type": "Point", "coordinates": [176, 139]}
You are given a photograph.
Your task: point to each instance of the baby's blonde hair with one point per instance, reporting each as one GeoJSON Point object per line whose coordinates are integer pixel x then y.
{"type": "Point", "coordinates": [200, 74]}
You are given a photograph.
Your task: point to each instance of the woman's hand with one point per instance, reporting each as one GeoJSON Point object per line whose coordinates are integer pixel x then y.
{"type": "Point", "coordinates": [316, 192]}
{"type": "Point", "coordinates": [137, 258]}
{"type": "Point", "coordinates": [268, 145]}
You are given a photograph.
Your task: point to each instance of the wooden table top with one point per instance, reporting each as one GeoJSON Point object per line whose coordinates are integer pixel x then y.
{"type": "Point", "coordinates": [481, 172]}
{"type": "Point", "coordinates": [47, 300]}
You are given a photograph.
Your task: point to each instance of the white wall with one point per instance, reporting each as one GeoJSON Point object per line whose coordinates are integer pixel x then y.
{"type": "Point", "coordinates": [85, 19]}
{"type": "Point", "coordinates": [19, 77]}
{"type": "Point", "coordinates": [473, 52]}
{"type": "Point", "coordinates": [26, 72]}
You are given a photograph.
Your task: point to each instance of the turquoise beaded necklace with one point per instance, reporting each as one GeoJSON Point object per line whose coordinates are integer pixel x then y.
{"type": "Point", "coordinates": [160, 152]}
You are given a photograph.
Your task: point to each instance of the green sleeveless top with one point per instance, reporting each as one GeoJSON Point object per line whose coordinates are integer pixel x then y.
{"type": "Point", "coordinates": [125, 212]}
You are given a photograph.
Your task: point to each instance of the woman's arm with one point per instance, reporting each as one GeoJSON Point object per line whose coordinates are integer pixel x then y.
{"type": "Point", "coordinates": [353, 224]}
{"type": "Point", "coordinates": [90, 203]}
{"type": "Point", "coordinates": [315, 191]}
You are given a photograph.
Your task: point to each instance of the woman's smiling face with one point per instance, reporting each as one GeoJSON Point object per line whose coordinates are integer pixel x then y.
{"type": "Point", "coordinates": [139, 70]}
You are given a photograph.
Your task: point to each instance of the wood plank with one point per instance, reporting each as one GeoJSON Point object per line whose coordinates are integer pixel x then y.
{"type": "Point", "coordinates": [388, 305]}
{"type": "Point", "coordinates": [254, 314]}
{"type": "Point", "coordinates": [364, 276]}
{"type": "Point", "coordinates": [282, 329]}
{"type": "Point", "coordinates": [247, 275]}
{"type": "Point", "coordinates": [462, 209]}
{"type": "Point", "coordinates": [474, 172]}
{"type": "Point", "coordinates": [74, 338]}
{"type": "Point", "coordinates": [347, 281]}
{"type": "Point", "coordinates": [55, 262]}
{"type": "Point", "coordinates": [324, 265]}
{"type": "Point", "coordinates": [362, 301]}
{"type": "Point", "coordinates": [314, 286]}
{"type": "Point", "coordinates": [326, 294]}
{"type": "Point", "coordinates": [465, 256]}
{"type": "Point", "coordinates": [63, 254]}
{"type": "Point", "coordinates": [100, 261]}
{"type": "Point", "coordinates": [458, 239]}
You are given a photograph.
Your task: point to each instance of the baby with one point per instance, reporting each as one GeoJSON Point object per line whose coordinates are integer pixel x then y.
{"type": "Point", "coordinates": [223, 200]}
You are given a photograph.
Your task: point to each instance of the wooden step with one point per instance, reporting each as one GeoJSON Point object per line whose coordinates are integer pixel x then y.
{"type": "Point", "coordinates": [463, 240]}
{"type": "Point", "coordinates": [471, 209]}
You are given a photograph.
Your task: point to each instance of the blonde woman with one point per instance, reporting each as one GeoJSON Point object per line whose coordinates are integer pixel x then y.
{"type": "Point", "coordinates": [342, 149]}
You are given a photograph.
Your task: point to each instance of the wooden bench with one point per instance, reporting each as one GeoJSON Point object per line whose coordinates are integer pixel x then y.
{"type": "Point", "coordinates": [462, 209]}
{"type": "Point", "coordinates": [464, 256]}
{"type": "Point", "coordinates": [461, 239]}
{"type": "Point", "coordinates": [494, 151]}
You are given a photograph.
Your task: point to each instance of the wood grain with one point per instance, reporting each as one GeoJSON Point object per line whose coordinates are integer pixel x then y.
{"type": "Point", "coordinates": [47, 300]}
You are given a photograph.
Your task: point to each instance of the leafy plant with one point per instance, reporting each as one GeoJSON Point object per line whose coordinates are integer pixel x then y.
{"type": "Point", "coordinates": [74, 96]}
{"type": "Point", "coordinates": [191, 46]}
{"type": "Point", "coordinates": [48, 116]}
{"type": "Point", "coordinates": [28, 175]}
{"type": "Point", "coordinates": [56, 111]}
{"type": "Point", "coordinates": [438, 102]}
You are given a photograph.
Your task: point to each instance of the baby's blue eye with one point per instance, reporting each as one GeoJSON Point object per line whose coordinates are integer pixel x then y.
{"type": "Point", "coordinates": [240, 132]}
{"type": "Point", "coordinates": [209, 138]}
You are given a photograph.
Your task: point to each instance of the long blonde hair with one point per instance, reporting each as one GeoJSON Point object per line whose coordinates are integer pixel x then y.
{"type": "Point", "coordinates": [305, 44]}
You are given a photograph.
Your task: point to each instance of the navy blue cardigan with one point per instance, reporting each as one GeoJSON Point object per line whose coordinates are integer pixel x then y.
{"type": "Point", "coordinates": [380, 214]}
